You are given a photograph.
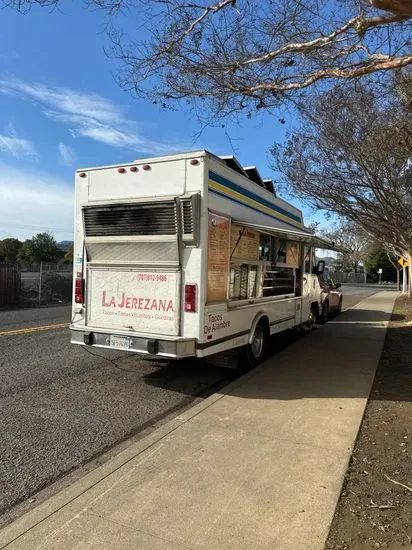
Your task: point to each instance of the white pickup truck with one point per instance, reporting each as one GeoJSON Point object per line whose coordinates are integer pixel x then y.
{"type": "Point", "coordinates": [330, 295]}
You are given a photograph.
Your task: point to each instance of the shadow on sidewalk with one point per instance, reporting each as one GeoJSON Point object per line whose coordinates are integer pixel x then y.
{"type": "Point", "coordinates": [368, 316]}
{"type": "Point", "coordinates": [334, 361]}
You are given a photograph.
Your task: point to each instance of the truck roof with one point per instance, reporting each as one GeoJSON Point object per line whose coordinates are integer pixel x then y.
{"type": "Point", "coordinates": [158, 158]}
{"type": "Point", "coordinates": [228, 160]}
{"type": "Point", "coordinates": [251, 173]}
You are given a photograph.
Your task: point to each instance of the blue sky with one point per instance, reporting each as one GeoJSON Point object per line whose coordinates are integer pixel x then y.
{"type": "Point", "coordinates": [61, 109]}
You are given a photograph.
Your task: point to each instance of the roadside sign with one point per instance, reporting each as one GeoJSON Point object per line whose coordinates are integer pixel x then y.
{"type": "Point", "coordinates": [380, 271]}
{"type": "Point", "coordinates": [402, 262]}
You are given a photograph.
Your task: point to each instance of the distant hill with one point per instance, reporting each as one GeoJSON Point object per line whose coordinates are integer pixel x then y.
{"type": "Point", "coordinates": [329, 260]}
{"type": "Point", "coordinates": [64, 245]}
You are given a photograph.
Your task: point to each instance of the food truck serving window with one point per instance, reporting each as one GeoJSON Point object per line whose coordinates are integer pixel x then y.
{"type": "Point", "coordinates": [243, 282]}
{"type": "Point", "coordinates": [246, 264]}
{"type": "Point", "coordinates": [281, 276]}
{"type": "Point", "coordinates": [262, 265]}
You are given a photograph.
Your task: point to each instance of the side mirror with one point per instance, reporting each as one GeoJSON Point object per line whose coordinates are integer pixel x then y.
{"type": "Point", "coordinates": [321, 266]}
{"type": "Point", "coordinates": [338, 285]}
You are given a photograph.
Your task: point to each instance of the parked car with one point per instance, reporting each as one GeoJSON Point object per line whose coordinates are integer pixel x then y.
{"type": "Point", "coordinates": [331, 298]}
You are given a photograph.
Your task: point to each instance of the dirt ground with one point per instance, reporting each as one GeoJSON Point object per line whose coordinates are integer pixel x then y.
{"type": "Point", "coordinates": [375, 510]}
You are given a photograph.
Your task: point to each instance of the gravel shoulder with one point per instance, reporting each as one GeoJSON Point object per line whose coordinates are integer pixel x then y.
{"type": "Point", "coordinates": [375, 510]}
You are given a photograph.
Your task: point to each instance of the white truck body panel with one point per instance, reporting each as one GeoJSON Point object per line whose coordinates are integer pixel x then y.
{"type": "Point", "coordinates": [136, 301]}
{"type": "Point", "coordinates": [155, 182]}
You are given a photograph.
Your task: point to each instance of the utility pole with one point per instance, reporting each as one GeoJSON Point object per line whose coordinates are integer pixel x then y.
{"type": "Point", "coordinates": [404, 281]}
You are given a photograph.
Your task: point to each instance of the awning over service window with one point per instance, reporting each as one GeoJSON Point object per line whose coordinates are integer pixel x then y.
{"type": "Point", "coordinates": [306, 236]}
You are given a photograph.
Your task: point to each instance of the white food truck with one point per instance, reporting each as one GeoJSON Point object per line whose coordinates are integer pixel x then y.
{"type": "Point", "coordinates": [188, 255]}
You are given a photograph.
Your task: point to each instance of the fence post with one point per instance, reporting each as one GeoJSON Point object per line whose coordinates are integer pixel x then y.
{"type": "Point", "coordinates": [41, 270]}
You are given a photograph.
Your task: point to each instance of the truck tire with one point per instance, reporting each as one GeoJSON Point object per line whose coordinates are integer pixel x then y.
{"type": "Point", "coordinates": [313, 317]}
{"type": "Point", "coordinates": [254, 353]}
{"type": "Point", "coordinates": [316, 314]}
{"type": "Point", "coordinates": [323, 318]}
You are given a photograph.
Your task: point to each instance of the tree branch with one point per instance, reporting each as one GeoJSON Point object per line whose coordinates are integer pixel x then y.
{"type": "Point", "coordinates": [338, 73]}
{"type": "Point", "coordinates": [400, 7]}
{"type": "Point", "coordinates": [360, 24]}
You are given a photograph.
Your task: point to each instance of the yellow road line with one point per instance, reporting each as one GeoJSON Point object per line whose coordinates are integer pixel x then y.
{"type": "Point", "coordinates": [33, 329]}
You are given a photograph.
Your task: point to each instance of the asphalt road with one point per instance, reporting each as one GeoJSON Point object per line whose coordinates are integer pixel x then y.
{"type": "Point", "coordinates": [17, 319]}
{"type": "Point", "coordinates": [61, 406]}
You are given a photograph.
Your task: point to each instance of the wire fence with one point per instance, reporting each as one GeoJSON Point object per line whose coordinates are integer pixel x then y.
{"type": "Point", "coordinates": [44, 283]}
{"type": "Point", "coordinates": [359, 278]}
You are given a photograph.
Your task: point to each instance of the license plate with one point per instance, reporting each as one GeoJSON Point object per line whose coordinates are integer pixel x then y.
{"type": "Point", "coordinates": [122, 342]}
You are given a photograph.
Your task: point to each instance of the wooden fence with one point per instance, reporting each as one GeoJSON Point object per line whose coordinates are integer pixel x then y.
{"type": "Point", "coordinates": [10, 284]}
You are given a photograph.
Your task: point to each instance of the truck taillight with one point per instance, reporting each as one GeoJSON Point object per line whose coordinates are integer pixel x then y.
{"type": "Point", "coordinates": [190, 298]}
{"type": "Point", "coordinates": [79, 291]}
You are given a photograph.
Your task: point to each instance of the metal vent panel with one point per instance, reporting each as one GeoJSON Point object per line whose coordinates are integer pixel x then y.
{"type": "Point", "coordinates": [145, 253]}
{"type": "Point", "coordinates": [187, 216]}
{"type": "Point", "coordinates": [130, 220]}
{"type": "Point", "coordinates": [190, 216]}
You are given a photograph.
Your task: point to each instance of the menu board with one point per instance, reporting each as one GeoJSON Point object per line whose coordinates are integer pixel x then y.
{"type": "Point", "coordinates": [218, 258]}
{"type": "Point", "coordinates": [244, 243]}
{"type": "Point", "coordinates": [293, 250]}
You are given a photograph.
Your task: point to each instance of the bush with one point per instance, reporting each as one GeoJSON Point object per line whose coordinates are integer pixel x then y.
{"type": "Point", "coordinates": [56, 288]}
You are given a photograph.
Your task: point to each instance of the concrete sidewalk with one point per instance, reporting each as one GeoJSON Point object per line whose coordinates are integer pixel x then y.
{"type": "Point", "coordinates": [259, 465]}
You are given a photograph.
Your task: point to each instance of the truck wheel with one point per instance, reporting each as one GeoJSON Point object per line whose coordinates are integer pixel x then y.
{"type": "Point", "coordinates": [325, 313]}
{"type": "Point", "coordinates": [255, 352]}
{"type": "Point", "coordinates": [313, 316]}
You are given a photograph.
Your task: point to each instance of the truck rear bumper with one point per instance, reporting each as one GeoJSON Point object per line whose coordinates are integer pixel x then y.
{"type": "Point", "coordinates": [151, 346]}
